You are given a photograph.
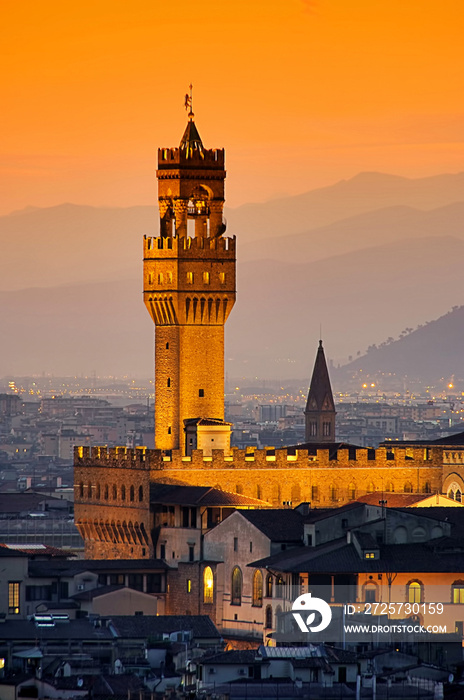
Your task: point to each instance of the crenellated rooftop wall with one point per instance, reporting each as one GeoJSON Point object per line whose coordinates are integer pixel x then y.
{"type": "Point", "coordinates": [155, 247]}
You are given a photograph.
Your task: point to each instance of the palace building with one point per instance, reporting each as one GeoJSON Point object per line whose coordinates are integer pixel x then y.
{"type": "Point", "coordinates": [189, 291]}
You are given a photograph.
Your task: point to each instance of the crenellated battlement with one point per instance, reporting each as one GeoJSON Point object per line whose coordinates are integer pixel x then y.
{"type": "Point", "coordinates": [265, 458]}
{"type": "Point", "coordinates": [169, 158]}
{"type": "Point", "coordinates": [155, 247]}
{"type": "Point", "coordinates": [138, 458]}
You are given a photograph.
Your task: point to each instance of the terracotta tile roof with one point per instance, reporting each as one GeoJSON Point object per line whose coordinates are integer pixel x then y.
{"type": "Point", "coordinates": [200, 496]}
{"type": "Point", "coordinates": [393, 500]}
{"type": "Point", "coordinates": [343, 558]}
{"type": "Point", "coordinates": [142, 626]}
{"type": "Point", "coordinates": [38, 550]}
{"type": "Point", "coordinates": [280, 525]}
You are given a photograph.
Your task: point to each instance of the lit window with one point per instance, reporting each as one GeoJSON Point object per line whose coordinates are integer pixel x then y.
{"type": "Point", "coordinates": [169, 277]}
{"type": "Point", "coordinates": [222, 277]}
{"type": "Point", "coordinates": [458, 592]}
{"type": "Point", "coordinates": [206, 277]}
{"type": "Point", "coordinates": [189, 585]}
{"type": "Point", "coordinates": [414, 592]}
{"type": "Point", "coordinates": [236, 587]}
{"type": "Point", "coordinates": [369, 555]}
{"type": "Point", "coordinates": [13, 597]}
{"type": "Point", "coordinates": [257, 589]}
{"type": "Point", "coordinates": [160, 278]}
{"type": "Point", "coordinates": [189, 277]}
{"type": "Point", "coordinates": [208, 585]}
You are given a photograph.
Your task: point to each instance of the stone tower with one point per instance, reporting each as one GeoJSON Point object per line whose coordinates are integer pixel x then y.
{"type": "Point", "coordinates": [320, 408]}
{"type": "Point", "coordinates": [189, 291]}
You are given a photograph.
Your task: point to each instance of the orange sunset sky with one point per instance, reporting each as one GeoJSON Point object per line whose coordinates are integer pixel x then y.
{"type": "Point", "coordinates": [300, 93]}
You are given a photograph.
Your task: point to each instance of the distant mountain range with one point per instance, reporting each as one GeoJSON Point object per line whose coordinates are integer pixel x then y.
{"type": "Point", "coordinates": [365, 258]}
{"type": "Point", "coordinates": [431, 353]}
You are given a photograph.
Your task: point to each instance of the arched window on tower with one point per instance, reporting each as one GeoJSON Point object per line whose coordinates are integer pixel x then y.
{"type": "Point", "coordinates": [257, 589]}
{"type": "Point", "coordinates": [81, 489]}
{"type": "Point", "coordinates": [115, 492]}
{"type": "Point", "coordinates": [140, 493]}
{"type": "Point", "coordinates": [106, 492]}
{"type": "Point", "coordinates": [132, 493]}
{"type": "Point", "coordinates": [236, 587]}
{"type": "Point", "coordinates": [208, 585]}
{"type": "Point", "coordinates": [123, 493]}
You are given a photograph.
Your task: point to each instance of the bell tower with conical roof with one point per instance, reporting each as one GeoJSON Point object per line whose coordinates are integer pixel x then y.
{"type": "Point", "coordinates": [189, 289]}
{"type": "Point", "coordinates": [320, 408]}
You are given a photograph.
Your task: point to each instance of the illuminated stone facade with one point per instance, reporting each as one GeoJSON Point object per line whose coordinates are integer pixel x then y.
{"type": "Point", "coordinates": [189, 288]}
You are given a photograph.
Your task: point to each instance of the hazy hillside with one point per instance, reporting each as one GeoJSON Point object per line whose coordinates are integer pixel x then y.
{"type": "Point", "coordinates": [363, 193]}
{"type": "Point", "coordinates": [73, 244]}
{"type": "Point", "coordinates": [359, 298]}
{"type": "Point", "coordinates": [378, 227]}
{"type": "Point", "coordinates": [431, 352]}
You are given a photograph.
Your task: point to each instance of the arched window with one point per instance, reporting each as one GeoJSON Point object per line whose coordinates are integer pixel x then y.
{"type": "Point", "coordinates": [269, 586]}
{"type": "Point", "coordinates": [89, 489]}
{"type": "Point", "coordinates": [98, 492]}
{"type": "Point", "coordinates": [115, 492]}
{"type": "Point", "coordinates": [81, 489]}
{"type": "Point", "coordinates": [257, 589]}
{"type": "Point", "coordinates": [370, 593]}
{"type": "Point", "coordinates": [457, 592]}
{"type": "Point", "coordinates": [280, 587]}
{"type": "Point", "coordinates": [407, 487]}
{"type": "Point", "coordinates": [123, 493]}
{"type": "Point", "coordinates": [208, 585]}
{"type": "Point", "coordinates": [236, 587]}
{"type": "Point", "coordinates": [132, 493]}
{"type": "Point", "coordinates": [140, 493]}
{"type": "Point", "coordinates": [390, 488]}
{"type": "Point", "coordinates": [427, 487]}
{"type": "Point", "coordinates": [106, 492]}
{"type": "Point", "coordinates": [268, 617]}
{"type": "Point", "coordinates": [371, 487]}
{"type": "Point", "coordinates": [414, 591]}
{"type": "Point", "coordinates": [332, 493]}
{"type": "Point", "coordinates": [352, 491]}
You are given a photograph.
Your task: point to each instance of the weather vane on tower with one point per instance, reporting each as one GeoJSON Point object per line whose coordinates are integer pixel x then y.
{"type": "Point", "coordinates": [189, 103]}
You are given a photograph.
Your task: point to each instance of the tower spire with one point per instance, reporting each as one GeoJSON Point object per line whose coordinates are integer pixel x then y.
{"type": "Point", "coordinates": [320, 407]}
